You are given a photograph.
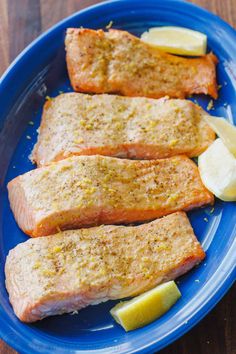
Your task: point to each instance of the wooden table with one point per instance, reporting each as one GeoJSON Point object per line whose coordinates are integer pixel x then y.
{"type": "Point", "coordinates": [23, 20]}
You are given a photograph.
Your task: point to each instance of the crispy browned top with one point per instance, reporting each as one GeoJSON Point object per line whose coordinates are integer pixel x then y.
{"type": "Point", "coordinates": [119, 62]}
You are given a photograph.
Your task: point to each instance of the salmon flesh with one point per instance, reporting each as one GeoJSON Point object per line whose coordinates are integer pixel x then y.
{"type": "Point", "coordinates": [140, 128]}
{"type": "Point", "coordinates": [73, 269]}
{"type": "Point", "coordinates": [93, 190]}
{"type": "Point", "coordinates": [118, 62]}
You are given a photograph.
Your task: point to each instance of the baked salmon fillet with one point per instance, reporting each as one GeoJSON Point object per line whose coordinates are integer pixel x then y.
{"type": "Point", "coordinates": [73, 269]}
{"type": "Point", "coordinates": [141, 128]}
{"type": "Point", "coordinates": [91, 190]}
{"type": "Point", "coordinates": [118, 62]}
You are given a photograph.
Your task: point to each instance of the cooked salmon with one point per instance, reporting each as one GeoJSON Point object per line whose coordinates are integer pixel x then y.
{"type": "Point", "coordinates": [73, 269]}
{"type": "Point", "coordinates": [118, 62]}
{"type": "Point", "coordinates": [91, 190]}
{"type": "Point", "coordinates": [141, 128]}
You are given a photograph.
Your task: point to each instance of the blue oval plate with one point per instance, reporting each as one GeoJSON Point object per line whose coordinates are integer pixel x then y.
{"type": "Point", "coordinates": [41, 70]}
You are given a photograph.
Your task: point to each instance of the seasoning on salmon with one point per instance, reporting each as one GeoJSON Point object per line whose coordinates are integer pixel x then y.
{"type": "Point", "coordinates": [73, 269]}
{"type": "Point", "coordinates": [141, 128]}
{"type": "Point", "coordinates": [118, 62]}
{"type": "Point", "coordinates": [91, 190]}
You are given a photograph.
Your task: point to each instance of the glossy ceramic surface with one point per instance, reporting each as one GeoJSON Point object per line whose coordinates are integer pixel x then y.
{"type": "Point", "coordinates": [40, 71]}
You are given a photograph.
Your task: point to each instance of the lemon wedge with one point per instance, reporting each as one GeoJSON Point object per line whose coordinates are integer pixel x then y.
{"type": "Point", "coordinates": [217, 167]}
{"type": "Point", "coordinates": [225, 130]}
{"type": "Point", "coordinates": [176, 40]}
{"type": "Point", "coordinates": [146, 307]}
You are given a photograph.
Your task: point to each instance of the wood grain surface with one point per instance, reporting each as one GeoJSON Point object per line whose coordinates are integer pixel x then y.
{"type": "Point", "coordinates": [23, 20]}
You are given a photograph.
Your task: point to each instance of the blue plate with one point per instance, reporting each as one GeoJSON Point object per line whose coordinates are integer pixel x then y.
{"type": "Point", "coordinates": [39, 71]}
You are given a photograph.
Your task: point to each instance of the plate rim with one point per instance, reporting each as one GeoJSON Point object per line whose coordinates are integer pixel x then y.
{"type": "Point", "coordinates": [231, 275]}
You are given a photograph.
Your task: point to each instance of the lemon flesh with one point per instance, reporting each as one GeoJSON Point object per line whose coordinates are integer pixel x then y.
{"type": "Point", "coordinates": [217, 167]}
{"type": "Point", "coordinates": [176, 40]}
{"type": "Point", "coordinates": [146, 307]}
{"type": "Point", "coordinates": [225, 130]}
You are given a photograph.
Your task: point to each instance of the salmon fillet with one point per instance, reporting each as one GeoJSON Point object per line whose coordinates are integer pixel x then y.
{"type": "Point", "coordinates": [91, 190]}
{"type": "Point", "coordinates": [118, 62]}
{"type": "Point", "coordinates": [142, 128]}
{"type": "Point", "coordinates": [73, 269]}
